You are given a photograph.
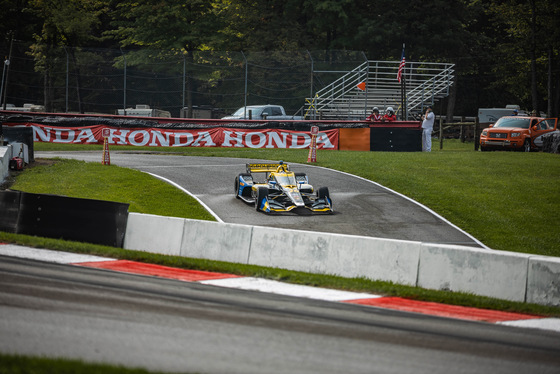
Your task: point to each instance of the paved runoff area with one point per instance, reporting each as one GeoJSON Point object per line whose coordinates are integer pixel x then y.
{"type": "Point", "coordinates": [275, 287]}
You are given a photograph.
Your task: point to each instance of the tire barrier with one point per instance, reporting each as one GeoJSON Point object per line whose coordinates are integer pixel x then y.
{"type": "Point", "coordinates": [60, 217]}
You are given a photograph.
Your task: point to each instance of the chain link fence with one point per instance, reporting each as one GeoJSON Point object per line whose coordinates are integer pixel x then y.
{"type": "Point", "coordinates": [214, 83]}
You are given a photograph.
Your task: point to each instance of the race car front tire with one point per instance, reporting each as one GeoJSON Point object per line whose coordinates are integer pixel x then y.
{"type": "Point", "coordinates": [323, 192]}
{"type": "Point", "coordinates": [262, 194]}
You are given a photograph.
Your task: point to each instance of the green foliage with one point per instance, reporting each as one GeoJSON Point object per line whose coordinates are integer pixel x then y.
{"type": "Point", "coordinates": [502, 48]}
{"type": "Point", "coordinates": [68, 22]}
{"type": "Point", "coordinates": [168, 25]}
{"type": "Point", "coordinates": [529, 40]}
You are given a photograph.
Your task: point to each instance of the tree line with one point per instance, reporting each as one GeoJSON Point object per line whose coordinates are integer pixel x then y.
{"type": "Point", "coordinates": [504, 51]}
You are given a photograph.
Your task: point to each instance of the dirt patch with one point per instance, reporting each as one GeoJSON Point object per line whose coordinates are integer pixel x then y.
{"type": "Point", "coordinates": [11, 178]}
{"type": "Point", "coordinates": [40, 162]}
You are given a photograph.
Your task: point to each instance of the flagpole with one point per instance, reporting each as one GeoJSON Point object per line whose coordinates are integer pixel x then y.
{"type": "Point", "coordinates": [403, 86]}
{"type": "Point", "coordinates": [405, 95]}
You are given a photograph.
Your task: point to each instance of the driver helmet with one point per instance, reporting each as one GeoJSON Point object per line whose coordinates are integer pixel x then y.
{"type": "Point", "coordinates": [390, 109]}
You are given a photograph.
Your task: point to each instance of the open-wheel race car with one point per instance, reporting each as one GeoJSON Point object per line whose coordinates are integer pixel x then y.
{"type": "Point", "coordinates": [281, 190]}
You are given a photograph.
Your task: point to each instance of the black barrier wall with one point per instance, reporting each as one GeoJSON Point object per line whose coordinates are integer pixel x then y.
{"type": "Point", "coordinates": [395, 139]}
{"type": "Point", "coordinates": [9, 210]}
{"type": "Point", "coordinates": [68, 218]}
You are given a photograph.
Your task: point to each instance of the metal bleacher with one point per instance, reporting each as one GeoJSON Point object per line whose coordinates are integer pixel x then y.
{"type": "Point", "coordinates": [426, 83]}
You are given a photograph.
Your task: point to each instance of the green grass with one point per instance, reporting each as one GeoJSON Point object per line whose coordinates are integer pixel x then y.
{"type": "Point", "coordinates": [144, 193]}
{"type": "Point", "coordinates": [508, 200]}
{"type": "Point", "coordinates": [18, 364]}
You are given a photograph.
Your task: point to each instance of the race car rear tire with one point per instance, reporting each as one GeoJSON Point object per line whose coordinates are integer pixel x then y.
{"type": "Point", "coordinates": [262, 194]}
{"type": "Point", "coordinates": [246, 192]}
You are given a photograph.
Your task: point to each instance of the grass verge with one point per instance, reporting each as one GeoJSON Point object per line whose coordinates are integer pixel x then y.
{"type": "Point", "coordinates": [18, 364]}
{"type": "Point", "coordinates": [144, 193]}
{"type": "Point", "coordinates": [508, 200]}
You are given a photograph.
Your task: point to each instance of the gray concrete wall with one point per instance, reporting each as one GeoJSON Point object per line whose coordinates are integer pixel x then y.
{"type": "Point", "coordinates": [498, 274]}
{"type": "Point", "coordinates": [5, 156]}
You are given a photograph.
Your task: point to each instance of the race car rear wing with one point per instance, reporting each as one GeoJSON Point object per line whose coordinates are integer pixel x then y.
{"type": "Point", "coordinates": [266, 168]}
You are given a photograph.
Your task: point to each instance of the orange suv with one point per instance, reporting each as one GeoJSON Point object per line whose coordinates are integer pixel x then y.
{"type": "Point", "coordinates": [517, 133]}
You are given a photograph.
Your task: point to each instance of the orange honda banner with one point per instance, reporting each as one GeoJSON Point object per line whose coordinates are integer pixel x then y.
{"type": "Point", "coordinates": [354, 139]}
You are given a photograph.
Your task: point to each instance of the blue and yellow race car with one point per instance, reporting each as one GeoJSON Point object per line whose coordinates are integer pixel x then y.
{"type": "Point", "coordinates": [281, 190]}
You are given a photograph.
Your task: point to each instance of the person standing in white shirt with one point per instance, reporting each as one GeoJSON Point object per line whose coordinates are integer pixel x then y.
{"type": "Point", "coordinates": [427, 128]}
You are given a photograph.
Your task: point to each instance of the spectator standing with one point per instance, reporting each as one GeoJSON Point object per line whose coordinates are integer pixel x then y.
{"type": "Point", "coordinates": [374, 116]}
{"type": "Point", "coordinates": [427, 128]}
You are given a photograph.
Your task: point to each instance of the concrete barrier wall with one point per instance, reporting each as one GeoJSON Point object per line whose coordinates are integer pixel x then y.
{"type": "Point", "coordinates": [490, 273]}
{"type": "Point", "coordinates": [499, 274]}
{"type": "Point", "coordinates": [5, 156]}
{"type": "Point", "coordinates": [344, 255]}
{"type": "Point", "coordinates": [216, 241]}
{"type": "Point", "coordinates": [156, 234]}
{"type": "Point", "coordinates": [543, 283]}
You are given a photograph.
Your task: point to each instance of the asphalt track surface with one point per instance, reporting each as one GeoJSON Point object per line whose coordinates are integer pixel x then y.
{"type": "Point", "coordinates": [361, 207]}
{"type": "Point", "coordinates": [57, 310]}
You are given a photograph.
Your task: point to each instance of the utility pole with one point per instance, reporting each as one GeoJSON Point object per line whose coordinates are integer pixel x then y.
{"type": "Point", "coordinates": [6, 70]}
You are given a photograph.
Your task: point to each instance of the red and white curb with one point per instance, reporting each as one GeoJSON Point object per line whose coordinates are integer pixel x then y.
{"type": "Point", "coordinates": [270, 286]}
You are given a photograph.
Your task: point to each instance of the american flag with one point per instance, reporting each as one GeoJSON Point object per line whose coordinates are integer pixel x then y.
{"type": "Point", "coordinates": [401, 66]}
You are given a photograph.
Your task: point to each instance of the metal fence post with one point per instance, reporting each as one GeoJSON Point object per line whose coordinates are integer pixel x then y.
{"type": "Point", "coordinates": [124, 83]}
{"type": "Point", "coordinates": [67, 76]}
{"type": "Point", "coordinates": [184, 79]}
{"type": "Point", "coordinates": [246, 74]}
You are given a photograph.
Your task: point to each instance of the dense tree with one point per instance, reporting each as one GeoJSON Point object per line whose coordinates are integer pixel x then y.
{"type": "Point", "coordinates": [66, 23]}
{"type": "Point", "coordinates": [16, 30]}
{"type": "Point", "coordinates": [176, 26]}
{"type": "Point", "coordinates": [505, 51]}
{"type": "Point", "coordinates": [263, 25]}
{"type": "Point", "coordinates": [529, 46]}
